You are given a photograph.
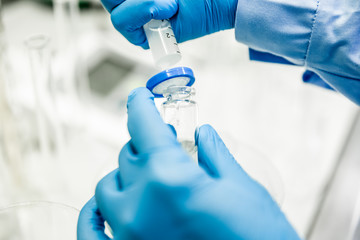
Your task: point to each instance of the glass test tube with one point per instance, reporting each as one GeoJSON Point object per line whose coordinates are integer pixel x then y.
{"type": "Point", "coordinates": [67, 15]}
{"type": "Point", "coordinates": [38, 56]}
{"type": "Point", "coordinates": [162, 42]}
{"type": "Point", "coordinates": [49, 127]}
{"type": "Point", "coordinates": [181, 111]}
{"type": "Point", "coordinates": [67, 18]}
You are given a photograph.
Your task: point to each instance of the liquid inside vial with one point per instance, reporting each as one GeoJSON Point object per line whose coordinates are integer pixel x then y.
{"type": "Point", "coordinates": [180, 111]}
{"type": "Point", "coordinates": [190, 148]}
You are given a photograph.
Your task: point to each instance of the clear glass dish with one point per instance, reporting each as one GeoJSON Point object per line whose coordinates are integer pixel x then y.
{"type": "Point", "coordinates": [38, 221]}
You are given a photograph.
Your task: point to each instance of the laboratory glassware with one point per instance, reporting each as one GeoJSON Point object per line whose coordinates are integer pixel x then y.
{"type": "Point", "coordinates": [66, 14]}
{"type": "Point", "coordinates": [179, 109]}
{"type": "Point", "coordinates": [162, 42]}
{"type": "Point", "coordinates": [67, 19]}
{"type": "Point", "coordinates": [50, 139]}
{"type": "Point", "coordinates": [38, 221]}
{"type": "Point", "coordinates": [36, 47]}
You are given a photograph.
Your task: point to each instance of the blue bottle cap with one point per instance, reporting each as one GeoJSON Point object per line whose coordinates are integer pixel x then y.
{"type": "Point", "coordinates": [179, 76]}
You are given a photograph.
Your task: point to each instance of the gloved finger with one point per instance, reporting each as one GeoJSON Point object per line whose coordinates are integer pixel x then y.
{"type": "Point", "coordinates": [130, 17]}
{"type": "Point", "coordinates": [147, 130]}
{"type": "Point", "coordinates": [145, 45]}
{"type": "Point", "coordinates": [128, 165]}
{"type": "Point", "coordinates": [111, 4]}
{"type": "Point", "coordinates": [108, 193]}
{"type": "Point", "coordinates": [91, 224]}
{"type": "Point", "coordinates": [213, 155]}
{"type": "Point", "coordinates": [173, 129]}
{"type": "Point", "coordinates": [135, 36]}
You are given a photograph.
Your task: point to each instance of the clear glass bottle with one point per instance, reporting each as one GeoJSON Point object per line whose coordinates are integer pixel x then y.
{"type": "Point", "coordinates": [181, 111]}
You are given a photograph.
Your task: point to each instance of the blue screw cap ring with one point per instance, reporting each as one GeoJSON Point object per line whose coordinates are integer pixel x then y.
{"type": "Point", "coordinates": [179, 76]}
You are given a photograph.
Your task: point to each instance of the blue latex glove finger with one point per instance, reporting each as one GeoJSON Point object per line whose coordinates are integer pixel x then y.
{"type": "Point", "coordinates": [107, 190]}
{"type": "Point", "coordinates": [173, 129]}
{"type": "Point", "coordinates": [134, 33]}
{"type": "Point", "coordinates": [111, 4]}
{"type": "Point", "coordinates": [147, 130]}
{"type": "Point", "coordinates": [134, 168]}
{"type": "Point", "coordinates": [91, 224]}
{"type": "Point", "coordinates": [114, 206]}
{"type": "Point", "coordinates": [214, 156]}
{"type": "Point", "coordinates": [127, 165]}
{"type": "Point", "coordinates": [130, 16]}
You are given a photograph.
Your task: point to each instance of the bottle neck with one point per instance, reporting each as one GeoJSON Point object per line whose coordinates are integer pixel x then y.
{"type": "Point", "coordinates": [176, 93]}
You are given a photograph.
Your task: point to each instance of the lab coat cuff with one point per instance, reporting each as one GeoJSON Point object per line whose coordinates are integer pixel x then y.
{"type": "Point", "coordinates": [280, 27]}
{"type": "Point", "coordinates": [267, 57]}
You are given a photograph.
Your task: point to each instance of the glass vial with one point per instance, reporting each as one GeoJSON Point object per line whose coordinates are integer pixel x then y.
{"type": "Point", "coordinates": [181, 111]}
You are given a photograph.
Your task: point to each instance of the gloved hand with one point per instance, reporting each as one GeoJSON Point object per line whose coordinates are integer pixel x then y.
{"type": "Point", "coordinates": [189, 18]}
{"type": "Point", "coordinates": [159, 192]}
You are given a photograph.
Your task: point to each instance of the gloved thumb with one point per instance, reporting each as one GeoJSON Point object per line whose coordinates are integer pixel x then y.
{"type": "Point", "coordinates": [213, 155]}
{"type": "Point", "coordinates": [91, 225]}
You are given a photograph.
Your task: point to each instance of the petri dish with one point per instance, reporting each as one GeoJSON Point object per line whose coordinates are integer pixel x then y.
{"type": "Point", "coordinates": [38, 221]}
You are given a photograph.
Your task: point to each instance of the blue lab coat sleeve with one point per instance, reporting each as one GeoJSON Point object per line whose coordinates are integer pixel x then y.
{"type": "Point", "coordinates": [308, 76]}
{"type": "Point", "coordinates": [322, 35]}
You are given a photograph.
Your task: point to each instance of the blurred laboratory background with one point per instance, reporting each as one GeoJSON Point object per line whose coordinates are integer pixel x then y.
{"type": "Point", "coordinates": [64, 79]}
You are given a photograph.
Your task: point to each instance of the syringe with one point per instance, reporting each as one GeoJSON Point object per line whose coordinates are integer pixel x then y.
{"type": "Point", "coordinates": [162, 42]}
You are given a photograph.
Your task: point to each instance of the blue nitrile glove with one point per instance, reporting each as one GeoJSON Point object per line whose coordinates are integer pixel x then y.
{"type": "Point", "coordinates": [91, 225]}
{"type": "Point", "coordinates": [189, 18]}
{"type": "Point", "coordinates": [159, 192]}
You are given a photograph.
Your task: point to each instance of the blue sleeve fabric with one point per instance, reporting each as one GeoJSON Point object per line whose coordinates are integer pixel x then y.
{"type": "Point", "coordinates": [267, 57]}
{"type": "Point", "coordinates": [308, 76]}
{"type": "Point", "coordinates": [313, 78]}
{"type": "Point", "coordinates": [322, 35]}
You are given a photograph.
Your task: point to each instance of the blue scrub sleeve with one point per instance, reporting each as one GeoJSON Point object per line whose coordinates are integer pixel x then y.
{"type": "Point", "coordinates": [308, 76]}
{"type": "Point", "coordinates": [322, 35]}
